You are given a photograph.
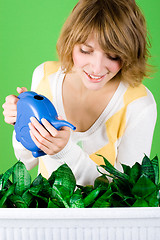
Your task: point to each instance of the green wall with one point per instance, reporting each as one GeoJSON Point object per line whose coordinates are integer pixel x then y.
{"type": "Point", "coordinates": [28, 34]}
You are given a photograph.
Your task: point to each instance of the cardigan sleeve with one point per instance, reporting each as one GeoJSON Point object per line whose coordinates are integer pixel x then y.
{"type": "Point", "coordinates": [21, 152]}
{"type": "Point", "coordinates": [137, 139]}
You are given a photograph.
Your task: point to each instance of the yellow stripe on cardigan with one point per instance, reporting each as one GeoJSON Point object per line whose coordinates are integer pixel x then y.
{"type": "Point", "coordinates": [44, 85]}
{"type": "Point", "coordinates": [44, 89]}
{"type": "Point", "coordinates": [42, 168]}
{"type": "Point", "coordinates": [115, 126]}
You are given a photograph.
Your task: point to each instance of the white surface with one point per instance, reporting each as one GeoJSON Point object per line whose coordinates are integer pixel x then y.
{"type": "Point", "coordinates": [80, 224]}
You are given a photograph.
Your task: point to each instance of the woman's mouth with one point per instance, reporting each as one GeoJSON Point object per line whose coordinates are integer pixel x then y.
{"type": "Point", "coordinates": [94, 78]}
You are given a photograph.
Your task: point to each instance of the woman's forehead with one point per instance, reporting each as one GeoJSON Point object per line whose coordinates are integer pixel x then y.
{"type": "Point", "coordinates": [92, 41]}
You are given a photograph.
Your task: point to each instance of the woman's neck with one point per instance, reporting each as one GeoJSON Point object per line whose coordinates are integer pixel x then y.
{"type": "Point", "coordinates": [73, 83]}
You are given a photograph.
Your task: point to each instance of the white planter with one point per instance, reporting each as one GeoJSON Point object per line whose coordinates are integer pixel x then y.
{"type": "Point", "coordinates": [80, 224]}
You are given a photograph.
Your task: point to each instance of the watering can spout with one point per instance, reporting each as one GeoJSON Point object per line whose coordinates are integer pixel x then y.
{"type": "Point", "coordinates": [61, 123]}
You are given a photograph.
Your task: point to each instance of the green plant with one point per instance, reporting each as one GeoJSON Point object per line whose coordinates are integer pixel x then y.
{"type": "Point", "coordinates": [137, 186]}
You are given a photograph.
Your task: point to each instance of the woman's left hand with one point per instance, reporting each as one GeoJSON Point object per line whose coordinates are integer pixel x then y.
{"type": "Point", "coordinates": [47, 138]}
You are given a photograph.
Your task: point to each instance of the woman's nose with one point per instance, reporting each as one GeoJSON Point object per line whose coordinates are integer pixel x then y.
{"type": "Point", "coordinates": [97, 64]}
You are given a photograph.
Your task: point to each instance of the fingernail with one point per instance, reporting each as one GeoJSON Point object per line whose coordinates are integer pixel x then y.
{"type": "Point", "coordinates": [31, 119]}
{"type": "Point", "coordinates": [60, 118]}
{"type": "Point", "coordinates": [43, 120]}
{"type": "Point", "coordinates": [19, 89]}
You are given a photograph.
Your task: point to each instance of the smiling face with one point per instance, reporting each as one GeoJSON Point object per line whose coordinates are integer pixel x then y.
{"type": "Point", "coordinates": [93, 65]}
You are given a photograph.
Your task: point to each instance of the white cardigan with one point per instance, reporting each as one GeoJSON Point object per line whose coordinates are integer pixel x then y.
{"type": "Point", "coordinates": [123, 133]}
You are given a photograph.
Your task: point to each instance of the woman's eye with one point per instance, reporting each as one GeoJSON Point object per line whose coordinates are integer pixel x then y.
{"type": "Point", "coordinates": [113, 58]}
{"type": "Point", "coordinates": [83, 51]}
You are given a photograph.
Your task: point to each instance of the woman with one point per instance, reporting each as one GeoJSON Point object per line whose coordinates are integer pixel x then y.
{"type": "Point", "coordinates": [97, 86]}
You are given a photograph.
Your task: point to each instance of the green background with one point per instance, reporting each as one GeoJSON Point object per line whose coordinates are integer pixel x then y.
{"type": "Point", "coordinates": [28, 34]}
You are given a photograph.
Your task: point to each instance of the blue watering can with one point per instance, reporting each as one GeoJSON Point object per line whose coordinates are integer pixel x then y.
{"type": "Point", "coordinates": [31, 104]}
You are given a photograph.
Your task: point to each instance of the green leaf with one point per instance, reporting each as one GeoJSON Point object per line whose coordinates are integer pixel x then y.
{"type": "Point", "coordinates": [103, 204]}
{"type": "Point", "coordinates": [52, 204]}
{"type": "Point", "coordinates": [86, 189]}
{"type": "Point", "coordinates": [155, 164]}
{"type": "Point", "coordinates": [64, 176]}
{"type": "Point", "coordinates": [42, 202]}
{"type": "Point", "coordinates": [21, 177]}
{"type": "Point", "coordinates": [143, 187]}
{"type": "Point", "coordinates": [135, 173]}
{"type": "Point", "coordinates": [91, 197]}
{"type": "Point", "coordinates": [37, 181]}
{"type": "Point", "coordinates": [140, 203]}
{"type": "Point", "coordinates": [76, 200]}
{"type": "Point", "coordinates": [1, 182]}
{"type": "Point", "coordinates": [122, 187]}
{"type": "Point", "coordinates": [5, 177]}
{"type": "Point", "coordinates": [118, 199]}
{"type": "Point", "coordinates": [61, 194]}
{"type": "Point", "coordinates": [101, 181]}
{"type": "Point", "coordinates": [43, 183]}
{"type": "Point", "coordinates": [126, 169]}
{"type": "Point", "coordinates": [152, 199]}
{"type": "Point", "coordinates": [35, 190]}
{"type": "Point", "coordinates": [147, 168]}
{"type": "Point", "coordinates": [109, 168]}
{"type": "Point", "coordinates": [8, 184]}
{"type": "Point", "coordinates": [103, 201]}
{"type": "Point", "coordinates": [46, 189]}
{"type": "Point", "coordinates": [18, 201]}
{"type": "Point", "coordinates": [28, 194]}
{"type": "Point", "coordinates": [51, 179]}
{"type": "Point", "coordinates": [27, 197]}
{"type": "Point", "coordinates": [6, 195]}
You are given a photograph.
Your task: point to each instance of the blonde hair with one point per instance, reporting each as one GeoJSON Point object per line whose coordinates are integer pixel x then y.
{"type": "Point", "coordinates": [120, 28]}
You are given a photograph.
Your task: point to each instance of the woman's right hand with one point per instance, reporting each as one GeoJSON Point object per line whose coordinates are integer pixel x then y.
{"type": "Point", "coordinates": [10, 107]}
